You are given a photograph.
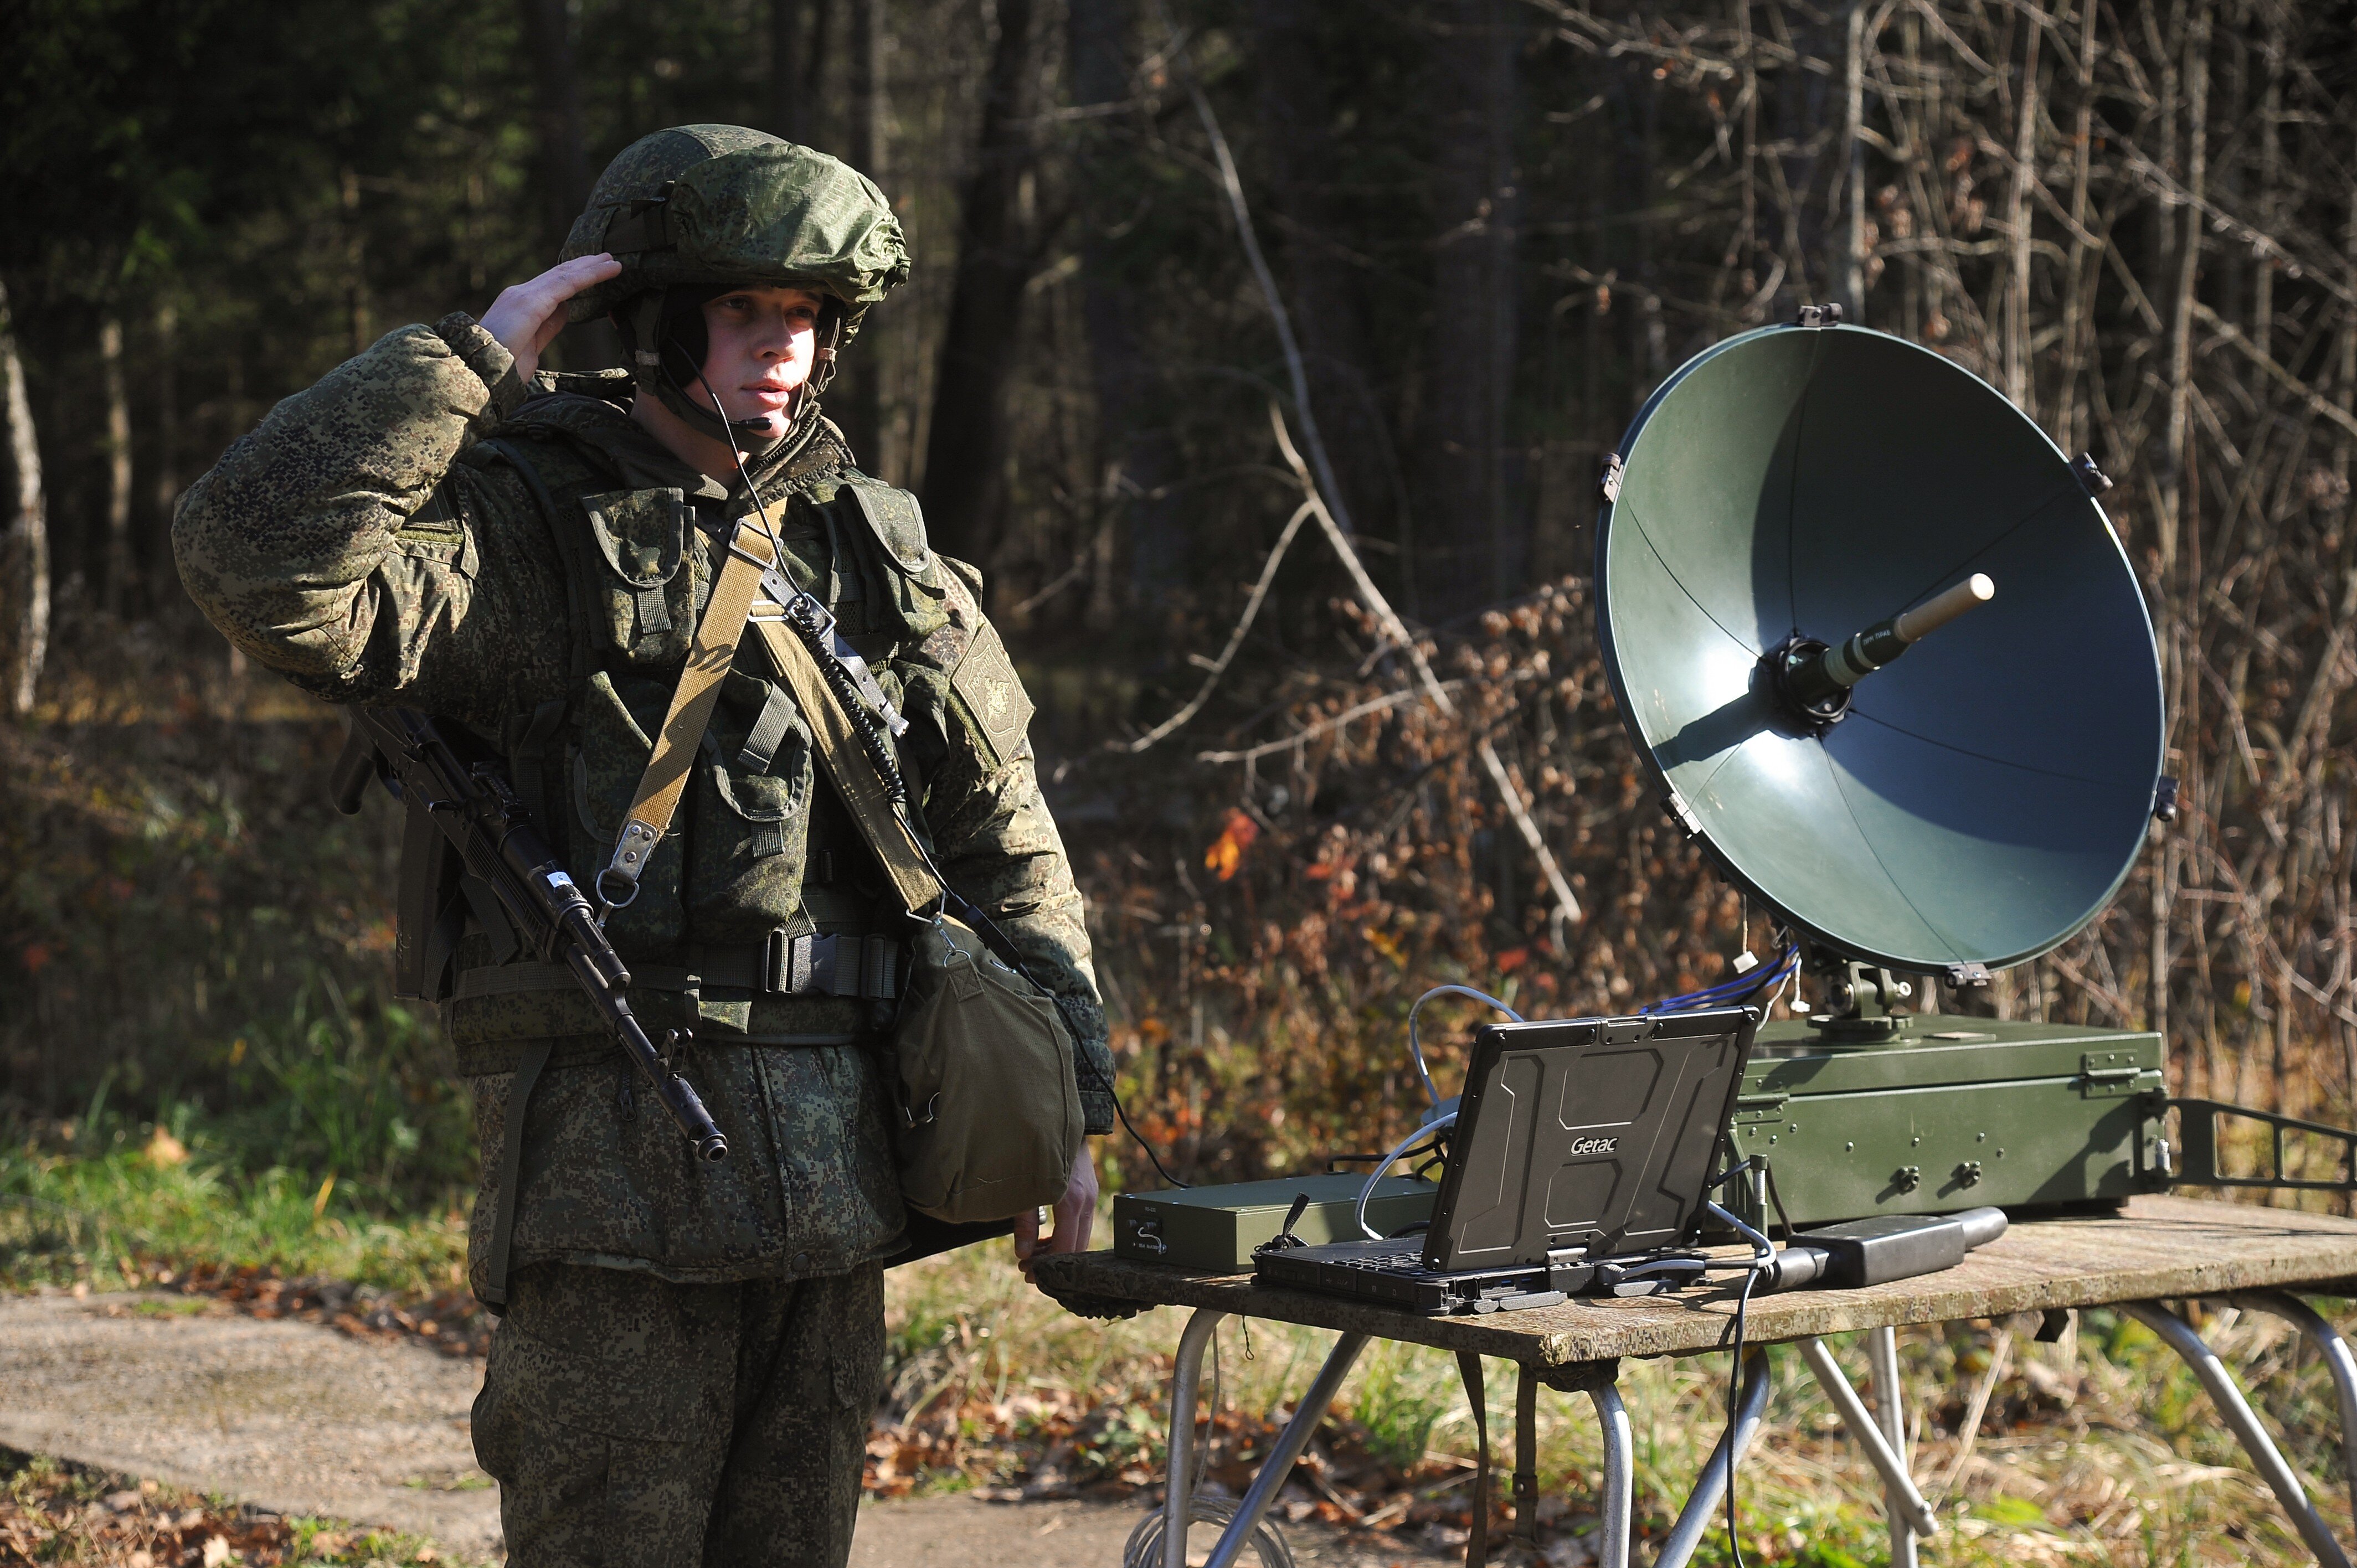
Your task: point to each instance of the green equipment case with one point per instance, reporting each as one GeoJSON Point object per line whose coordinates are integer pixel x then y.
{"type": "Point", "coordinates": [1950, 1114]}
{"type": "Point", "coordinates": [1215, 1228]}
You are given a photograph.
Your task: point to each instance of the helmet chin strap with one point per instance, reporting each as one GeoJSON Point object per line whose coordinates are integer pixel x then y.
{"type": "Point", "coordinates": [647, 348]}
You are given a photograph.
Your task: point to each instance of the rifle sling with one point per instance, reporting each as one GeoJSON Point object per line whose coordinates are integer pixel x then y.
{"type": "Point", "coordinates": [527, 1073]}
{"type": "Point", "coordinates": [750, 554]}
{"type": "Point", "coordinates": [849, 767]}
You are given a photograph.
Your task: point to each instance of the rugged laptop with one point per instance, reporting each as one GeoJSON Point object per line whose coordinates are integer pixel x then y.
{"type": "Point", "coordinates": [1579, 1162]}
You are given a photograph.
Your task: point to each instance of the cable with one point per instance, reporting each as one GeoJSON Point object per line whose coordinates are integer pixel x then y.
{"type": "Point", "coordinates": [1763, 1252]}
{"type": "Point", "coordinates": [1399, 1151]}
{"type": "Point", "coordinates": [1741, 986]}
{"type": "Point", "coordinates": [1727, 992]}
{"type": "Point", "coordinates": [1416, 1048]}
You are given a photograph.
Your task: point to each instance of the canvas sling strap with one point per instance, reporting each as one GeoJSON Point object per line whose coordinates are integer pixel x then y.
{"type": "Point", "coordinates": [750, 554]}
{"type": "Point", "coordinates": [785, 626]}
{"type": "Point", "coordinates": [1526, 1449]}
{"type": "Point", "coordinates": [1476, 1541]}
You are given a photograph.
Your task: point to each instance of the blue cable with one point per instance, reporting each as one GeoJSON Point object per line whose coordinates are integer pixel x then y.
{"type": "Point", "coordinates": [1733, 990]}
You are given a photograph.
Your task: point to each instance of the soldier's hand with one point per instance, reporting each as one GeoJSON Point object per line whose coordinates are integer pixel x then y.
{"type": "Point", "coordinates": [527, 317]}
{"type": "Point", "coordinates": [1075, 1212]}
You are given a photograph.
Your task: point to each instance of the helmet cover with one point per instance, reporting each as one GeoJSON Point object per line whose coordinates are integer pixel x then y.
{"type": "Point", "coordinates": [721, 206]}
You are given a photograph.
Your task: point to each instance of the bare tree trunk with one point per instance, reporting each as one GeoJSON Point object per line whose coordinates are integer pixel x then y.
{"type": "Point", "coordinates": [24, 561]}
{"type": "Point", "coordinates": [2178, 489]}
{"type": "Point", "coordinates": [556, 115]}
{"type": "Point", "coordinates": [789, 103]}
{"type": "Point", "coordinates": [113, 594]}
{"type": "Point", "coordinates": [2262, 285]}
{"type": "Point", "coordinates": [355, 290]}
{"type": "Point", "coordinates": [2188, 268]}
{"type": "Point", "coordinates": [2346, 392]}
{"type": "Point", "coordinates": [856, 403]}
{"type": "Point", "coordinates": [2016, 214]}
{"type": "Point", "coordinates": [1473, 471]}
{"type": "Point", "coordinates": [1137, 452]}
{"type": "Point", "coordinates": [2080, 283]}
{"type": "Point", "coordinates": [1849, 270]}
{"type": "Point", "coordinates": [167, 445]}
{"type": "Point", "coordinates": [965, 456]}
{"type": "Point", "coordinates": [1294, 103]}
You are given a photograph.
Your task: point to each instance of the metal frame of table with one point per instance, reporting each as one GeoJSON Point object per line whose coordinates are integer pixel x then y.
{"type": "Point", "coordinates": [2155, 1251]}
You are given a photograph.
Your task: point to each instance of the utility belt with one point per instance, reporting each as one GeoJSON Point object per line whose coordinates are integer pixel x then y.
{"type": "Point", "coordinates": [844, 964]}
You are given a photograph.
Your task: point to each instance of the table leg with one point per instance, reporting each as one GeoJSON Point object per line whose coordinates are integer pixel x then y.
{"type": "Point", "coordinates": [1279, 1463]}
{"type": "Point", "coordinates": [2338, 1361]}
{"type": "Point", "coordinates": [1619, 1476]}
{"type": "Point", "coordinates": [1891, 1410]}
{"type": "Point", "coordinates": [1185, 1382]}
{"type": "Point", "coordinates": [1701, 1503]}
{"type": "Point", "coordinates": [1907, 1504]}
{"type": "Point", "coordinates": [2225, 1393]}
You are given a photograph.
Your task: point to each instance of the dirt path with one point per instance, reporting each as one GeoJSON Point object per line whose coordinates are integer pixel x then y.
{"type": "Point", "coordinates": [302, 1420]}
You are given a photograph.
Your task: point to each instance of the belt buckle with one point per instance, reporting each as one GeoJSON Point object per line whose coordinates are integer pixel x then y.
{"type": "Point", "coordinates": [775, 979]}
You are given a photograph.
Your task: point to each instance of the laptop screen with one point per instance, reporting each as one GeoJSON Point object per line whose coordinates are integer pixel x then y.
{"type": "Point", "coordinates": [1588, 1132]}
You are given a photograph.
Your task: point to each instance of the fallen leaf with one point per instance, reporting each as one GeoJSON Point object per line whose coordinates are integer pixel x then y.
{"type": "Point", "coordinates": [216, 1550]}
{"type": "Point", "coordinates": [1227, 852]}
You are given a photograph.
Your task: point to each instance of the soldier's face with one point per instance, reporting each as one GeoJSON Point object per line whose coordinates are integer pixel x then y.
{"type": "Point", "coordinates": [761, 341]}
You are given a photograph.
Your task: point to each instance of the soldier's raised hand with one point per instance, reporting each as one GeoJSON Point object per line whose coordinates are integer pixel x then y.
{"type": "Point", "coordinates": [527, 317]}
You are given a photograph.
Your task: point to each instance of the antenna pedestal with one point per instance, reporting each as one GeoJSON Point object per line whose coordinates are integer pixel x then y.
{"type": "Point", "coordinates": [1856, 998]}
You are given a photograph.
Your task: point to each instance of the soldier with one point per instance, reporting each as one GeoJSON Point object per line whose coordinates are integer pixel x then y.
{"type": "Point", "coordinates": [689, 1353]}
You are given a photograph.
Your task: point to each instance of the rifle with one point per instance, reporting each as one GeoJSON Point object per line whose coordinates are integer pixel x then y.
{"type": "Point", "coordinates": [463, 792]}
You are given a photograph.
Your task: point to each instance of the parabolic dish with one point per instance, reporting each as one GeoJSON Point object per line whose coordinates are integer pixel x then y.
{"type": "Point", "coordinates": [1988, 793]}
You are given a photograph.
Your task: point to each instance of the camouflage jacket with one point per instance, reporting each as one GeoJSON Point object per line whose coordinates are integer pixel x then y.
{"type": "Point", "coordinates": [421, 528]}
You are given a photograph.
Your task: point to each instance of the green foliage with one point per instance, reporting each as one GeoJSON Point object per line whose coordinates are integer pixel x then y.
{"type": "Point", "coordinates": [124, 1203]}
{"type": "Point", "coordinates": [2017, 1513]}
{"type": "Point", "coordinates": [1394, 1399]}
{"type": "Point", "coordinates": [203, 941]}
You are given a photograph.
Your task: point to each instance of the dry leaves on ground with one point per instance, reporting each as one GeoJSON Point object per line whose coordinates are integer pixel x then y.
{"type": "Point", "coordinates": [59, 1513]}
{"type": "Point", "coordinates": [452, 1322]}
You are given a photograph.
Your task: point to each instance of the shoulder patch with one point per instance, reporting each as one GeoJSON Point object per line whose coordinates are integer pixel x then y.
{"type": "Point", "coordinates": [985, 680]}
{"type": "Point", "coordinates": [898, 523]}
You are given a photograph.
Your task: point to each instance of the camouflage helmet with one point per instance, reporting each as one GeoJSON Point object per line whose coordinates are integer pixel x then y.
{"type": "Point", "coordinates": [700, 209]}
{"type": "Point", "coordinates": [717, 205]}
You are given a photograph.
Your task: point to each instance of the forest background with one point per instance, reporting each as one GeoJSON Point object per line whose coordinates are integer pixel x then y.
{"type": "Point", "coordinates": [1462, 239]}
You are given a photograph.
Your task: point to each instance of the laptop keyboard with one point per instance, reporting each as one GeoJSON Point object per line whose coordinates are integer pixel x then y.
{"type": "Point", "coordinates": [1399, 1261]}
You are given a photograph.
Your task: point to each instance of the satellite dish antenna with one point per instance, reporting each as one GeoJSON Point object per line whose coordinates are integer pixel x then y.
{"type": "Point", "coordinates": [1793, 511]}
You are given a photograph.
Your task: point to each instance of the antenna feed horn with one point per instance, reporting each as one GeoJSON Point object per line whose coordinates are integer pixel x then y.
{"type": "Point", "coordinates": [1814, 679]}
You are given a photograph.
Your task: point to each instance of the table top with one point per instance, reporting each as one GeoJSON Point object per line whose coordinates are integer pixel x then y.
{"type": "Point", "coordinates": [2158, 1247]}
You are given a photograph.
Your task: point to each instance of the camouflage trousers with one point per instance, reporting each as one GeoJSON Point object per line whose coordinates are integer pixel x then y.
{"type": "Point", "coordinates": [631, 1420]}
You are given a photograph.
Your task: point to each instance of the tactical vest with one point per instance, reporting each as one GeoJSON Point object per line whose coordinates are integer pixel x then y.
{"type": "Point", "coordinates": [763, 915]}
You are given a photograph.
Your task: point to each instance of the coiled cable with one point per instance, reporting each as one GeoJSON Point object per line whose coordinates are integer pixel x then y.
{"type": "Point", "coordinates": [1144, 1549]}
